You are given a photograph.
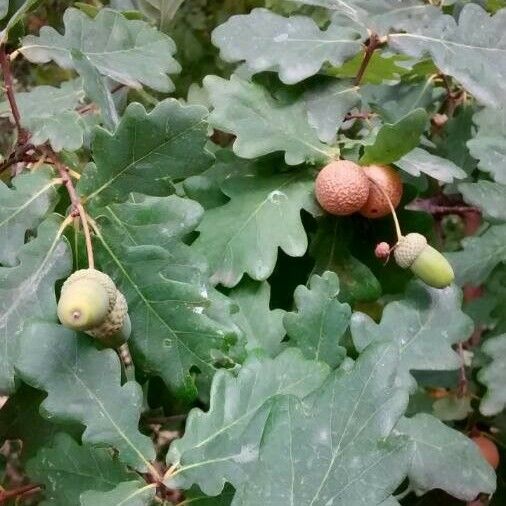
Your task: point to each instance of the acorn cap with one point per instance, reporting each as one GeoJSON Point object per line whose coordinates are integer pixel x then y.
{"type": "Point", "coordinates": [408, 248]}
{"type": "Point", "coordinates": [114, 320]}
{"type": "Point", "coordinates": [93, 275]}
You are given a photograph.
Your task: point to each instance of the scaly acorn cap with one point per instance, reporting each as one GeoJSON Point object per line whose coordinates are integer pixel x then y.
{"type": "Point", "coordinates": [93, 275]}
{"type": "Point", "coordinates": [425, 262]}
{"type": "Point", "coordinates": [115, 329]}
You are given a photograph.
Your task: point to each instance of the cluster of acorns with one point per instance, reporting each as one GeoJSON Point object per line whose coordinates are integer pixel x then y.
{"type": "Point", "coordinates": [343, 187]}
{"type": "Point", "coordinates": [90, 302]}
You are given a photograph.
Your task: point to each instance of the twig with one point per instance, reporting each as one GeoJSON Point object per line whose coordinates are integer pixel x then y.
{"type": "Point", "coordinates": [463, 382]}
{"type": "Point", "coordinates": [374, 42]}
{"type": "Point", "coordinates": [19, 155]}
{"type": "Point", "coordinates": [5, 495]}
{"type": "Point", "coordinates": [5, 63]}
{"type": "Point", "coordinates": [76, 204]}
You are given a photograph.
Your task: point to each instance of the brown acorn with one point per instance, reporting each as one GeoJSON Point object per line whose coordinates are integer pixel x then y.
{"type": "Point", "coordinates": [341, 187]}
{"type": "Point", "coordinates": [390, 182]}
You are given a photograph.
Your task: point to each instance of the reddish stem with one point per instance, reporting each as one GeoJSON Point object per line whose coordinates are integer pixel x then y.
{"type": "Point", "coordinates": [374, 42]}
{"type": "Point", "coordinates": [19, 155]}
{"type": "Point", "coordinates": [5, 495]}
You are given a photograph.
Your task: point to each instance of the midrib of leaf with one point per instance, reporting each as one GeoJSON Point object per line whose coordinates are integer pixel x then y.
{"type": "Point", "coordinates": [136, 493]}
{"type": "Point", "coordinates": [338, 450]}
{"type": "Point", "coordinates": [108, 416]}
{"type": "Point", "coordinates": [28, 202]}
{"type": "Point", "coordinates": [149, 153]}
{"type": "Point", "coordinates": [403, 348]}
{"type": "Point", "coordinates": [230, 426]}
{"type": "Point", "coordinates": [320, 337]}
{"type": "Point", "coordinates": [149, 306]}
{"type": "Point", "coordinates": [445, 42]}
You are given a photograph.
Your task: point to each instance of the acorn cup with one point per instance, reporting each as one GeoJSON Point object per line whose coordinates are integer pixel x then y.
{"type": "Point", "coordinates": [412, 251]}
{"type": "Point", "coordinates": [90, 302]}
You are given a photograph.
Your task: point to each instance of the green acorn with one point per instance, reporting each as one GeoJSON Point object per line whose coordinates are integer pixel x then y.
{"type": "Point", "coordinates": [425, 262]}
{"type": "Point", "coordinates": [90, 302]}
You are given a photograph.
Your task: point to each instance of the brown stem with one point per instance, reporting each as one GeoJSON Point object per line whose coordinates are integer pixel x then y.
{"type": "Point", "coordinates": [19, 155]}
{"type": "Point", "coordinates": [374, 42]}
{"type": "Point", "coordinates": [76, 204]}
{"type": "Point", "coordinates": [463, 383]}
{"type": "Point", "coordinates": [5, 495]}
{"type": "Point", "coordinates": [5, 63]}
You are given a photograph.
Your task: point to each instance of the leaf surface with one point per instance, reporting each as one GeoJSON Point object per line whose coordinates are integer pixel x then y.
{"type": "Point", "coordinates": [27, 291]}
{"type": "Point", "coordinates": [488, 196]}
{"type": "Point", "coordinates": [424, 325]}
{"type": "Point", "coordinates": [128, 51]}
{"type": "Point", "coordinates": [130, 493]}
{"type": "Point", "coordinates": [84, 385]}
{"type": "Point", "coordinates": [262, 124]}
{"type": "Point", "coordinates": [493, 376]}
{"type": "Point", "coordinates": [222, 444]}
{"type": "Point", "coordinates": [263, 214]}
{"type": "Point", "coordinates": [320, 321]}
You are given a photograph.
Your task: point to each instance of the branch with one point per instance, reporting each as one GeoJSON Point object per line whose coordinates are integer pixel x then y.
{"type": "Point", "coordinates": [5, 63]}
{"type": "Point", "coordinates": [374, 42]}
{"type": "Point", "coordinates": [76, 203]}
{"type": "Point", "coordinates": [5, 495]}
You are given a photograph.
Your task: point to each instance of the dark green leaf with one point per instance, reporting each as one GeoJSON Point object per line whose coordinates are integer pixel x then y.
{"type": "Point", "coordinates": [222, 444]}
{"type": "Point", "coordinates": [263, 125]}
{"type": "Point", "coordinates": [393, 141]}
{"type": "Point", "coordinates": [27, 291]}
{"type": "Point", "coordinates": [128, 51]}
{"type": "Point", "coordinates": [147, 153]}
{"type": "Point", "coordinates": [84, 385]}
{"type": "Point", "coordinates": [320, 321]}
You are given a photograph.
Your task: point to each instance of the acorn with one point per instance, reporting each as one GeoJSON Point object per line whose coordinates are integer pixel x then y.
{"type": "Point", "coordinates": [428, 264]}
{"type": "Point", "coordinates": [90, 302]}
{"type": "Point", "coordinates": [383, 179]}
{"type": "Point", "coordinates": [341, 187]}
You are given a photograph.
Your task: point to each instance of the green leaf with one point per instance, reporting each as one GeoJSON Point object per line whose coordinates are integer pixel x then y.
{"type": "Point", "coordinates": [479, 256]}
{"type": "Point", "coordinates": [327, 105]}
{"type": "Point", "coordinates": [18, 15]}
{"type": "Point", "coordinates": [475, 57]}
{"type": "Point", "coordinates": [381, 16]}
{"type": "Point", "coordinates": [196, 498]}
{"type": "Point", "coordinates": [320, 321]}
{"type": "Point", "coordinates": [49, 114]}
{"type": "Point", "coordinates": [488, 144]}
{"type": "Point", "coordinates": [335, 447]}
{"type": "Point", "coordinates": [435, 450]}
{"type": "Point", "coordinates": [393, 141]}
{"type": "Point", "coordinates": [130, 493]}
{"type": "Point", "coordinates": [20, 419]}
{"type": "Point", "coordinates": [84, 385]}
{"type": "Point", "coordinates": [263, 214]}
{"type": "Point", "coordinates": [493, 376]}
{"type": "Point", "coordinates": [424, 325]}
{"type": "Point", "coordinates": [27, 291]}
{"type": "Point", "coordinates": [222, 444]}
{"type": "Point", "coordinates": [96, 89]}
{"type": "Point", "coordinates": [452, 407]}
{"type": "Point", "coordinates": [380, 69]}
{"type": "Point", "coordinates": [294, 47]}
{"type": "Point", "coordinates": [22, 208]}
{"type": "Point", "coordinates": [4, 8]}
{"type": "Point", "coordinates": [262, 326]}
{"type": "Point", "coordinates": [147, 153]}
{"type": "Point", "coordinates": [330, 251]}
{"type": "Point", "coordinates": [420, 161]}
{"type": "Point", "coordinates": [128, 51]}
{"type": "Point", "coordinates": [262, 124]}
{"type": "Point", "coordinates": [66, 469]}
{"type": "Point", "coordinates": [165, 284]}
{"type": "Point", "coordinates": [489, 197]}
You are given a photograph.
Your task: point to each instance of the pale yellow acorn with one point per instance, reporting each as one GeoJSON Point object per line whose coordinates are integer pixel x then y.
{"type": "Point", "coordinates": [90, 302]}
{"type": "Point", "coordinates": [428, 264]}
